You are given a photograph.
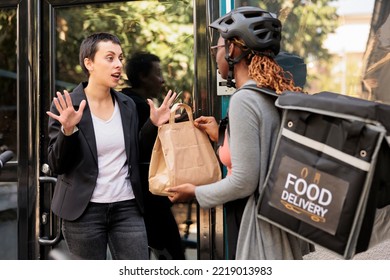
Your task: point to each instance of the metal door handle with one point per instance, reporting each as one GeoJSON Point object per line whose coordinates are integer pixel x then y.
{"type": "Point", "coordinates": [44, 240]}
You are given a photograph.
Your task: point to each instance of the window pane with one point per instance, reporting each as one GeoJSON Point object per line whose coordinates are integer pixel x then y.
{"type": "Point", "coordinates": [8, 132]}
{"type": "Point", "coordinates": [163, 28]}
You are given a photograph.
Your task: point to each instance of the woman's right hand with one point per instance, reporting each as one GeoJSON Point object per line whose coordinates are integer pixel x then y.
{"type": "Point", "coordinates": [68, 116]}
{"type": "Point", "coordinates": [209, 125]}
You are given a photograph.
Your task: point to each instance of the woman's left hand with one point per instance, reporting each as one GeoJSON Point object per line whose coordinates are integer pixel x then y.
{"type": "Point", "coordinates": [182, 193]}
{"type": "Point", "coordinates": [161, 115]}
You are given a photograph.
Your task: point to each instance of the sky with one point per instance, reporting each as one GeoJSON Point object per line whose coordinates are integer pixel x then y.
{"type": "Point", "coordinates": [355, 6]}
{"type": "Point", "coordinates": [353, 37]}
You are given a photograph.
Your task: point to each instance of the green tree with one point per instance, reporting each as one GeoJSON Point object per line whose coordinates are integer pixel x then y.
{"type": "Point", "coordinates": [163, 28]}
{"type": "Point", "coordinates": [306, 25]}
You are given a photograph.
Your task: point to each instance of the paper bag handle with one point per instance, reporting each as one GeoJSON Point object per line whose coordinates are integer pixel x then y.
{"type": "Point", "coordinates": [175, 107]}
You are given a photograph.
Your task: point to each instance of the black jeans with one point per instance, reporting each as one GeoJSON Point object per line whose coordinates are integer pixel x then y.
{"type": "Point", "coordinates": [118, 225]}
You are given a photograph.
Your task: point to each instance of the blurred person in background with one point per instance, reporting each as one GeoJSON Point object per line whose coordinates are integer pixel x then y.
{"type": "Point", "coordinates": [145, 81]}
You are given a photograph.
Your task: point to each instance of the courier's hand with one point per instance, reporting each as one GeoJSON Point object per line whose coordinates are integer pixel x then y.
{"type": "Point", "coordinates": [160, 115]}
{"type": "Point", "coordinates": [209, 125]}
{"type": "Point", "coordinates": [182, 193]}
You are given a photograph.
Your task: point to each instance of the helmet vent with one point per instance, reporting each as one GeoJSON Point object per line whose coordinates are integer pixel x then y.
{"type": "Point", "coordinates": [253, 15]}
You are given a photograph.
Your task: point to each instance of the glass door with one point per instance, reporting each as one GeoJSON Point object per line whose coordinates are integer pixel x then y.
{"type": "Point", "coordinates": [163, 28]}
{"type": "Point", "coordinates": [8, 133]}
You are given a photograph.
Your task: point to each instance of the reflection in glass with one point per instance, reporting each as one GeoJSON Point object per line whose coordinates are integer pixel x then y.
{"type": "Point", "coordinates": [376, 76]}
{"type": "Point", "coordinates": [8, 132]}
{"type": "Point", "coordinates": [164, 28]}
{"type": "Point", "coordinates": [8, 80]}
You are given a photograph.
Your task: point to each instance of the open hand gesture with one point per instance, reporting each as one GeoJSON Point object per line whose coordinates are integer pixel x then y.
{"type": "Point", "coordinates": [161, 115]}
{"type": "Point", "coordinates": [68, 117]}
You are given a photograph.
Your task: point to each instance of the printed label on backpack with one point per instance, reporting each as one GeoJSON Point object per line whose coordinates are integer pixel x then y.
{"type": "Point", "coordinates": [308, 194]}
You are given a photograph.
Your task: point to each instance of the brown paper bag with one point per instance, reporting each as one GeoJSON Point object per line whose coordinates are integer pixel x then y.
{"type": "Point", "coordinates": [181, 154]}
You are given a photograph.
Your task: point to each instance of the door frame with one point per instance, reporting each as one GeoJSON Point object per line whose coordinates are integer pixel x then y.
{"type": "Point", "coordinates": [23, 171]}
{"type": "Point", "coordinates": [35, 89]}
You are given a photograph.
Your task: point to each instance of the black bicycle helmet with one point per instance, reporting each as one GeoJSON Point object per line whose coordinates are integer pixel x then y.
{"type": "Point", "coordinates": [259, 29]}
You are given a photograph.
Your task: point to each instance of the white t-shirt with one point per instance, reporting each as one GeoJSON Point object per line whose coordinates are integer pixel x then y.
{"type": "Point", "coordinates": [111, 184]}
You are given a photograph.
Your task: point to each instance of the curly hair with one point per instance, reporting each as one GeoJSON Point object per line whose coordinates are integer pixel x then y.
{"type": "Point", "coordinates": [266, 72]}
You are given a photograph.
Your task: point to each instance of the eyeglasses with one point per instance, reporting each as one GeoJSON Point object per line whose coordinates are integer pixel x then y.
{"type": "Point", "coordinates": [214, 49]}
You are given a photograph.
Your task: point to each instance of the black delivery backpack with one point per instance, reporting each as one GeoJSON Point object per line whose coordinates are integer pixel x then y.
{"type": "Point", "coordinates": [330, 170]}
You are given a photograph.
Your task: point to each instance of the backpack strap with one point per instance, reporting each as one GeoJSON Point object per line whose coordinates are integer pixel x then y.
{"type": "Point", "coordinates": [261, 90]}
{"type": "Point", "coordinates": [224, 123]}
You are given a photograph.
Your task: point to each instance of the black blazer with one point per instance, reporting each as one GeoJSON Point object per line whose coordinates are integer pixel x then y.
{"type": "Point", "coordinates": [74, 158]}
